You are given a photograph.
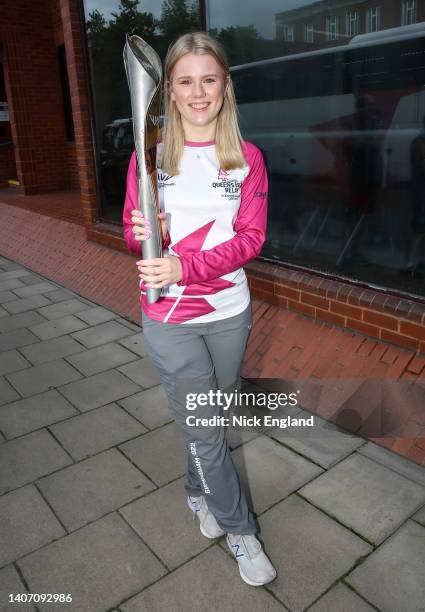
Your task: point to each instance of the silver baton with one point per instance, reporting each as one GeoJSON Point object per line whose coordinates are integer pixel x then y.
{"type": "Point", "coordinates": [144, 75]}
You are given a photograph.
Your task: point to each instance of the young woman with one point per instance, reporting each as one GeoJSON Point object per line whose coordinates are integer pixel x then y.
{"type": "Point", "coordinates": [213, 201]}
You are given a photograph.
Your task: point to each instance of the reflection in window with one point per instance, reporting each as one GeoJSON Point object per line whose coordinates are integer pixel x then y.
{"type": "Point", "coordinates": [342, 129]}
{"type": "Point", "coordinates": [372, 21]}
{"type": "Point", "coordinates": [107, 22]}
{"type": "Point", "coordinates": [408, 12]}
{"type": "Point", "coordinates": [288, 33]}
{"type": "Point", "coordinates": [308, 33]}
{"type": "Point", "coordinates": [352, 23]}
{"type": "Point", "coordinates": [332, 27]}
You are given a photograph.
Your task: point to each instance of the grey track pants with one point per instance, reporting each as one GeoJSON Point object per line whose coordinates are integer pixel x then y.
{"type": "Point", "coordinates": [196, 358]}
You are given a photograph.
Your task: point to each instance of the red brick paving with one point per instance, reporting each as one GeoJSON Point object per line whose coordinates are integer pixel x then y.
{"type": "Point", "coordinates": [283, 344]}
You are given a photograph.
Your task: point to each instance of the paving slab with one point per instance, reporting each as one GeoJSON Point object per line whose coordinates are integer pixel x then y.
{"type": "Point", "coordinates": [23, 304]}
{"type": "Point", "coordinates": [42, 287]}
{"type": "Point", "coordinates": [96, 315]}
{"type": "Point", "coordinates": [101, 334]}
{"type": "Point", "coordinates": [309, 550]}
{"type": "Point", "coordinates": [159, 517]}
{"type": "Point", "coordinates": [208, 582]}
{"type": "Point", "coordinates": [326, 444]}
{"type": "Point", "coordinates": [129, 324]}
{"type": "Point", "coordinates": [26, 523]}
{"type": "Point", "coordinates": [96, 430]}
{"type": "Point", "coordinates": [341, 599]}
{"type": "Point", "coordinates": [7, 296]}
{"type": "Point", "coordinates": [100, 358]}
{"type": "Point", "coordinates": [420, 516]}
{"type": "Point", "coordinates": [392, 577]}
{"type": "Point", "coordinates": [366, 496]}
{"type": "Point", "coordinates": [150, 407]}
{"type": "Point", "coordinates": [25, 415]}
{"type": "Point", "coordinates": [100, 565]}
{"type": "Point", "coordinates": [59, 295]}
{"type": "Point", "coordinates": [10, 265]}
{"type": "Point", "coordinates": [62, 309]}
{"type": "Point", "coordinates": [18, 321]}
{"type": "Point", "coordinates": [12, 361]}
{"type": "Point", "coordinates": [7, 392]}
{"type": "Point", "coordinates": [27, 458]}
{"type": "Point", "coordinates": [13, 283]}
{"type": "Point", "coordinates": [17, 339]}
{"type": "Point", "coordinates": [32, 279]}
{"type": "Point", "coordinates": [395, 462]}
{"type": "Point", "coordinates": [236, 437]}
{"type": "Point", "coordinates": [43, 377]}
{"type": "Point", "coordinates": [143, 372]}
{"type": "Point", "coordinates": [84, 492]}
{"type": "Point", "coordinates": [160, 454]}
{"type": "Point", "coordinates": [49, 350]}
{"type": "Point", "coordinates": [10, 582]}
{"type": "Point", "coordinates": [135, 343]}
{"type": "Point", "coordinates": [17, 273]}
{"type": "Point", "coordinates": [98, 390]}
{"type": "Point", "coordinates": [269, 472]}
{"type": "Point", "coordinates": [57, 327]}
{"type": "Point", "coordinates": [3, 312]}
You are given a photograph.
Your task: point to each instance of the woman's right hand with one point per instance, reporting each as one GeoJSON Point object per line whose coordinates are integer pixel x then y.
{"type": "Point", "coordinates": [142, 226]}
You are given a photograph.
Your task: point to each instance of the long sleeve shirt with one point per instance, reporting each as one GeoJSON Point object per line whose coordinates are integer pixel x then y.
{"type": "Point", "coordinates": [216, 224]}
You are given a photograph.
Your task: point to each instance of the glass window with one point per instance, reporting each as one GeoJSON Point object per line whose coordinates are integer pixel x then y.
{"type": "Point", "coordinates": [372, 24]}
{"type": "Point", "coordinates": [308, 33]}
{"type": "Point", "coordinates": [107, 22]}
{"type": "Point", "coordinates": [408, 12]}
{"type": "Point", "coordinates": [288, 33]}
{"type": "Point", "coordinates": [342, 128]}
{"type": "Point", "coordinates": [352, 24]}
{"type": "Point", "coordinates": [332, 27]}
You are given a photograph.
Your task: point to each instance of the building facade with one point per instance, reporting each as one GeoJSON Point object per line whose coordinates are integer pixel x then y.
{"type": "Point", "coordinates": [332, 92]}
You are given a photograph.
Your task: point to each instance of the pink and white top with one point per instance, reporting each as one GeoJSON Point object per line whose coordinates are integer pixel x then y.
{"type": "Point", "coordinates": [216, 224]}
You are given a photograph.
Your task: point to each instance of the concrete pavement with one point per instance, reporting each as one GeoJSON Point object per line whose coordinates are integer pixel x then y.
{"type": "Point", "coordinates": [92, 467]}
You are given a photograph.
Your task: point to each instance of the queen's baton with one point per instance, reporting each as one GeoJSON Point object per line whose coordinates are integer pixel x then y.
{"type": "Point", "coordinates": [144, 75]}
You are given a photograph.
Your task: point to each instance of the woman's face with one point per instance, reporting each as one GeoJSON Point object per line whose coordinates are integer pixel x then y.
{"type": "Point", "coordinates": [197, 86]}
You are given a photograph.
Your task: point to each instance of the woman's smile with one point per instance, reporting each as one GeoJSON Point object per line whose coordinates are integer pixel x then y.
{"type": "Point", "coordinates": [199, 107]}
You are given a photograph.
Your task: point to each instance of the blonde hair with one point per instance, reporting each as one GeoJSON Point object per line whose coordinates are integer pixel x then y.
{"type": "Point", "coordinates": [228, 139]}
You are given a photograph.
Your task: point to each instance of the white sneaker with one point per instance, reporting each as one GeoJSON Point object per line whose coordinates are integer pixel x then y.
{"type": "Point", "coordinates": [255, 567]}
{"type": "Point", "coordinates": [207, 523]}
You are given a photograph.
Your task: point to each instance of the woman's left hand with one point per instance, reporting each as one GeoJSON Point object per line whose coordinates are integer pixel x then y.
{"type": "Point", "coordinates": [160, 271]}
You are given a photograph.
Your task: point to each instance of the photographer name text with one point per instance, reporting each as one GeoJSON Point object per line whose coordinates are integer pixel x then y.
{"type": "Point", "coordinates": [266, 420]}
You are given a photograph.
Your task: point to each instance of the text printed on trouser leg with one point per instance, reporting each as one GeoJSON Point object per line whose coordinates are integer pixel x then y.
{"type": "Point", "coordinates": [199, 467]}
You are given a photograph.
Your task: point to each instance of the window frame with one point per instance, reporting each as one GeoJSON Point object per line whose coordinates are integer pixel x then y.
{"type": "Point", "coordinates": [332, 22]}
{"type": "Point", "coordinates": [370, 16]}
{"type": "Point", "coordinates": [352, 17]}
{"type": "Point", "coordinates": [308, 30]}
{"type": "Point", "coordinates": [406, 11]}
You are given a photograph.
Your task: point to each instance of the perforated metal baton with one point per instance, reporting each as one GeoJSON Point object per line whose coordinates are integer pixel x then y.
{"type": "Point", "coordinates": [144, 75]}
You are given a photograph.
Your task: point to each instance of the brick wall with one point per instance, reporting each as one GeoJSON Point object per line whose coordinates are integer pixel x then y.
{"type": "Point", "coordinates": [29, 34]}
{"type": "Point", "coordinates": [78, 81]}
{"type": "Point", "coordinates": [378, 314]}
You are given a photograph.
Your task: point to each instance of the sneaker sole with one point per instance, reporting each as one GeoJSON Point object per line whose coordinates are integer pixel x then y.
{"type": "Point", "coordinates": [251, 582]}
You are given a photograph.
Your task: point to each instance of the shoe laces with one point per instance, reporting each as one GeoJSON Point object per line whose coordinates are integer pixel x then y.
{"type": "Point", "coordinates": [196, 505]}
